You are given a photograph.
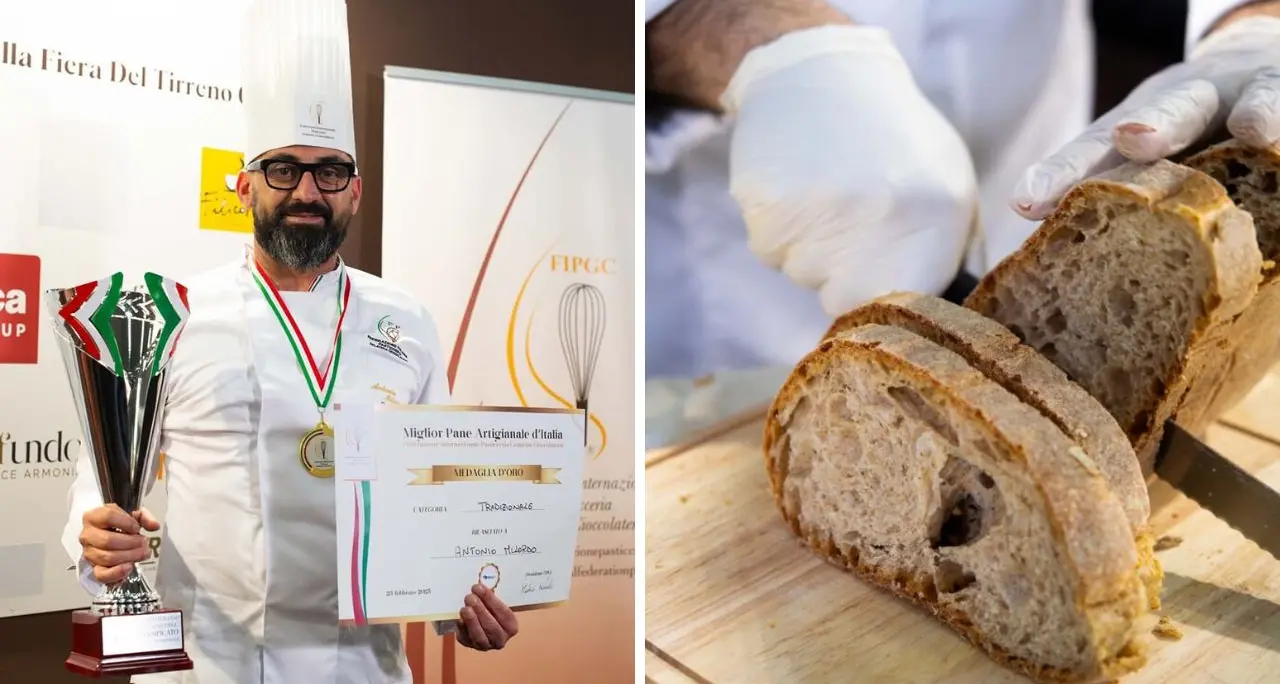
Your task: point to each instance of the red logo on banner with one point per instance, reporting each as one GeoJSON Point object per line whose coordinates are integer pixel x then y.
{"type": "Point", "coordinates": [19, 308]}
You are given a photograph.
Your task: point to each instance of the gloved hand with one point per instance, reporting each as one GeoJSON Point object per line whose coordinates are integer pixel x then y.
{"type": "Point", "coordinates": [848, 179]}
{"type": "Point", "coordinates": [1233, 75]}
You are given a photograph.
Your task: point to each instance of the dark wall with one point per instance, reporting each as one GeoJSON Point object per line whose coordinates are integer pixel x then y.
{"type": "Point", "coordinates": [585, 43]}
{"type": "Point", "coordinates": [1135, 39]}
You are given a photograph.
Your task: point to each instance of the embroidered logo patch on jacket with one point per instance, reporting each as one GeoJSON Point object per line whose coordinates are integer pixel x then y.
{"type": "Point", "coordinates": [387, 338]}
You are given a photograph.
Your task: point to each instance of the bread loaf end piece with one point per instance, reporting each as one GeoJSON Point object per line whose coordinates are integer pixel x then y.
{"type": "Point", "coordinates": [995, 352]}
{"type": "Point", "coordinates": [1129, 287]}
{"type": "Point", "coordinates": [1252, 180]}
{"type": "Point", "coordinates": [893, 457]}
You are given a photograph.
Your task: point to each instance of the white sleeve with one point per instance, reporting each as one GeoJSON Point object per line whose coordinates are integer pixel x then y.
{"type": "Point", "coordinates": [1202, 14]}
{"type": "Point", "coordinates": [82, 497]}
{"type": "Point", "coordinates": [436, 389]}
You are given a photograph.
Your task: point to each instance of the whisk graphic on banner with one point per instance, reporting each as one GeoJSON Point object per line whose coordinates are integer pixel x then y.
{"type": "Point", "coordinates": [582, 317]}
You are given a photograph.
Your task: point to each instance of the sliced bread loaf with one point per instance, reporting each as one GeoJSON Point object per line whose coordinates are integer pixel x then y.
{"type": "Point", "coordinates": [1130, 286]}
{"type": "Point", "coordinates": [998, 354]}
{"type": "Point", "coordinates": [892, 456]}
{"type": "Point", "coordinates": [1252, 180]}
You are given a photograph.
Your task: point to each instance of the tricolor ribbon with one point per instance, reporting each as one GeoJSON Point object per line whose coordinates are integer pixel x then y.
{"type": "Point", "coordinates": [320, 381]}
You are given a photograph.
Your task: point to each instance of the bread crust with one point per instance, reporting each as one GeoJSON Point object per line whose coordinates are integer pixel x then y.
{"type": "Point", "coordinates": [991, 349]}
{"type": "Point", "coordinates": [1224, 232]}
{"type": "Point", "coordinates": [1087, 521]}
{"type": "Point", "coordinates": [1001, 356]}
{"type": "Point", "coordinates": [1254, 338]}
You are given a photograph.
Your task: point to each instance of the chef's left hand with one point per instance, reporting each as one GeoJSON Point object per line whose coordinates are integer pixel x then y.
{"type": "Point", "coordinates": [486, 622]}
{"type": "Point", "coordinates": [1232, 76]}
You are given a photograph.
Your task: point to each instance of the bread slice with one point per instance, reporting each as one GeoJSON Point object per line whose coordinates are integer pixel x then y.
{"type": "Point", "coordinates": [1252, 180]}
{"type": "Point", "coordinates": [994, 351]}
{"type": "Point", "coordinates": [1130, 286]}
{"type": "Point", "coordinates": [895, 458]}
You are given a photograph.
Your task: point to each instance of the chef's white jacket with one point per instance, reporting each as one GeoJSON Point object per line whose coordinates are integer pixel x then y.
{"type": "Point", "coordinates": [1014, 77]}
{"type": "Point", "coordinates": [249, 548]}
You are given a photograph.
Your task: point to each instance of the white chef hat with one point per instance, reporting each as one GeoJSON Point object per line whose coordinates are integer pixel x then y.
{"type": "Point", "coordinates": [297, 76]}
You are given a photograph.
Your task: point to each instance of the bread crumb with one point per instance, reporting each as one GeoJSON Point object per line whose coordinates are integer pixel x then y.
{"type": "Point", "coordinates": [684, 498]}
{"type": "Point", "coordinates": [1165, 629]}
{"type": "Point", "coordinates": [1085, 461]}
{"type": "Point", "coordinates": [773, 624]}
{"type": "Point", "coordinates": [1167, 542]}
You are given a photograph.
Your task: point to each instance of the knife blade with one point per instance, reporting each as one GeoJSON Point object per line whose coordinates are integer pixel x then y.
{"type": "Point", "coordinates": [1221, 487]}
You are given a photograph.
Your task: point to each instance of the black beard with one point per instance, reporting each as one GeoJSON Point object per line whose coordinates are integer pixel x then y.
{"type": "Point", "coordinates": [299, 248]}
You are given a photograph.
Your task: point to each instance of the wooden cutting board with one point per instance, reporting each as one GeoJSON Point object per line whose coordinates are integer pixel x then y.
{"type": "Point", "coordinates": [732, 597]}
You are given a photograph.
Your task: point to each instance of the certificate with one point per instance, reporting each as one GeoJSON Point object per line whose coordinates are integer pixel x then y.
{"type": "Point", "coordinates": [432, 500]}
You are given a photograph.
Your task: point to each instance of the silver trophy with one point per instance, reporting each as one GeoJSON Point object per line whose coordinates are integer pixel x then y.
{"type": "Point", "coordinates": [116, 344]}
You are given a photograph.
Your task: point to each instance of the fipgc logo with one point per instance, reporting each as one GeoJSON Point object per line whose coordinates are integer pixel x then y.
{"type": "Point", "coordinates": [19, 308]}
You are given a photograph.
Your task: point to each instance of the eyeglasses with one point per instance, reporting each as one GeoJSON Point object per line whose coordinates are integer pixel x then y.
{"type": "Point", "coordinates": [283, 174]}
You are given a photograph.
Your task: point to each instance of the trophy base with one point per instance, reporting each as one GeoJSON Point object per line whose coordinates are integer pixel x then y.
{"type": "Point", "coordinates": [114, 645]}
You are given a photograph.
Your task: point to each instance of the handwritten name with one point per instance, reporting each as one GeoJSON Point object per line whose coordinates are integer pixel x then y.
{"type": "Point", "coordinates": [519, 550]}
{"type": "Point", "coordinates": [537, 581]}
{"type": "Point", "coordinates": [489, 506]}
{"type": "Point", "coordinates": [473, 551]}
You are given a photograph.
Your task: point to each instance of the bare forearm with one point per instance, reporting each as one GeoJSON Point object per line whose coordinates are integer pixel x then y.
{"type": "Point", "coordinates": [1268, 8]}
{"type": "Point", "coordinates": [695, 47]}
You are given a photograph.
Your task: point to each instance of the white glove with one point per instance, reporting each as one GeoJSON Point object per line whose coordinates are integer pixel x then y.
{"type": "Point", "coordinates": [1233, 75]}
{"type": "Point", "coordinates": [848, 179]}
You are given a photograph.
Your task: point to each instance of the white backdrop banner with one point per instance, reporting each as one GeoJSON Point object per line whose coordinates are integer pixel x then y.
{"type": "Point", "coordinates": [508, 210]}
{"type": "Point", "coordinates": [119, 122]}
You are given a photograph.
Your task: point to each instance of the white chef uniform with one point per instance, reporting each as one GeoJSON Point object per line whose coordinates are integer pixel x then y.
{"type": "Point", "coordinates": [249, 546]}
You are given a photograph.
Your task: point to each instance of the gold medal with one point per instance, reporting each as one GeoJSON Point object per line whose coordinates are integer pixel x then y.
{"type": "Point", "coordinates": [316, 451]}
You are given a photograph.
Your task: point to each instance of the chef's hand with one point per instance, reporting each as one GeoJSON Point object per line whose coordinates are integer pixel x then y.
{"type": "Point", "coordinates": [487, 623]}
{"type": "Point", "coordinates": [112, 541]}
{"type": "Point", "coordinates": [848, 178]}
{"type": "Point", "coordinates": [1233, 76]}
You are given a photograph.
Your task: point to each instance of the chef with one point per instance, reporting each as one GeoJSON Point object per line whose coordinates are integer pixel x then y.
{"type": "Point", "coordinates": [249, 536]}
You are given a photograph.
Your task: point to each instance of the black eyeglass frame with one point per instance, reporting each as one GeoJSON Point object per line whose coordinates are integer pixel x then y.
{"type": "Point", "coordinates": [263, 165]}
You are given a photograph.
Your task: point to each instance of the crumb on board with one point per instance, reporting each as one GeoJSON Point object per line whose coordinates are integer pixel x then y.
{"type": "Point", "coordinates": [773, 624]}
{"type": "Point", "coordinates": [1165, 629]}
{"type": "Point", "coordinates": [1167, 542]}
{"type": "Point", "coordinates": [684, 498]}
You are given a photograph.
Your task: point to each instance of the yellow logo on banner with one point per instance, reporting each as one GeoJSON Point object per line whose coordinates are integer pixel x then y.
{"type": "Point", "coordinates": [220, 209]}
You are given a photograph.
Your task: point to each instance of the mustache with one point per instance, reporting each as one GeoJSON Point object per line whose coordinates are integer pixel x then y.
{"type": "Point", "coordinates": [296, 208]}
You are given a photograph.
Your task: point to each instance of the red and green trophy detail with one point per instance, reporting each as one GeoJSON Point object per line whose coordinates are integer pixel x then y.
{"type": "Point", "coordinates": [116, 344]}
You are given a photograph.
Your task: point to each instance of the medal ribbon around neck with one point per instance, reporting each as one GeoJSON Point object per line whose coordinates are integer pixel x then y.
{"type": "Point", "coordinates": [319, 383]}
